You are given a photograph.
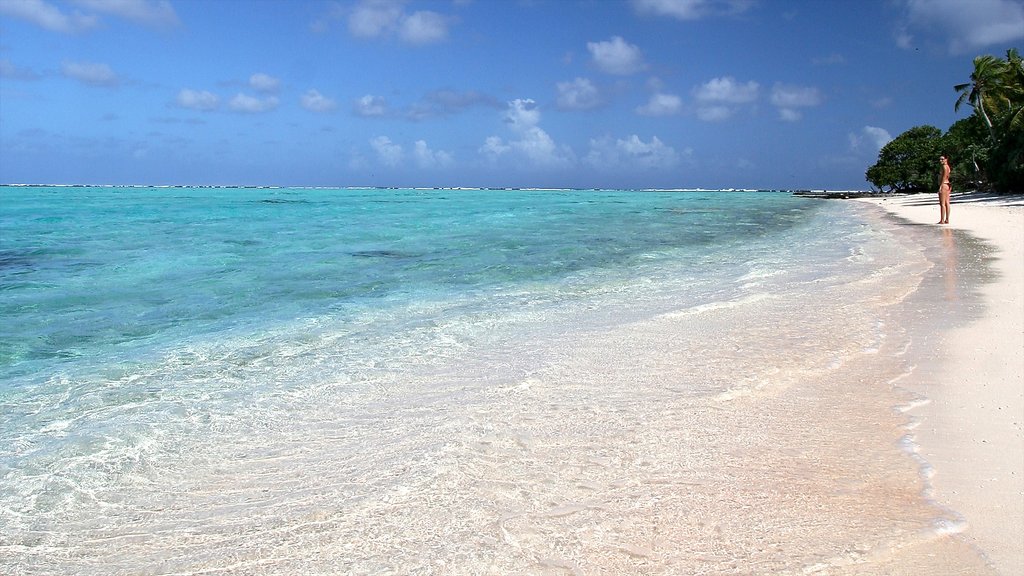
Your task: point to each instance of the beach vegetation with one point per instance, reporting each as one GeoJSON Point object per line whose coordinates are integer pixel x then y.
{"type": "Point", "coordinates": [907, 163]}
{"type": "Point", "coordinates": [986, 148]}
{"type": "Point", "coordinates": [966, 145]}
{"type": "Point", "coordinates": [984, 89]}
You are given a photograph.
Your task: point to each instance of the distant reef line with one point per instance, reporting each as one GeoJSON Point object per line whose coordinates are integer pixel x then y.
{"type": "Point", "coordinates": [807, 193]}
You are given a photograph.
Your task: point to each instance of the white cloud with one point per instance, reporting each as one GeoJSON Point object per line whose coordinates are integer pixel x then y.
{"type": "Point", "coordinates": [423, 27]}
{"type": "Point", "coordinates": [370, 18]}
{"type": "Point", "coordinates": [616, 56]}
{"type": "Point", "coordinates": [606, 154]}
{"type": "Point", "coordinates": [427, 158]}
{"type": "Point", "coordinates": [790, 99]}
{"type": "Point", "coordinates": [533, 144]}
{"type": "Point", "coordinates": [790, 114]}
{"type": "Point", "coordinates": [383, 18]}
{"type": "Point", "coordinates": [314, 101]}
{"type": "Point", "coordinates": [371, 106]}
{"type": "Point", "coordinates": [448, 102]}
{"type": "Point", "coordinates": [90, 73]}
{"type": "Point", "coordinates": [50, 17]}
{"type": "Point", "coordinates": [522, 114]}
{"type": "Point", "coordinates": [150, 12]}
{"type": "Point", "coordinates": [47, 16]}
{"type": "Point", "coordinates": [719, 98]}
{"type": "Point", "coordinates": [245, 103]}
{"type": "Point", "coordinates": [264, 83]}
{"type": "Point", "coordinates": [690, 9]}
{"type": "Point", "coordinates": [727, 90]}
{"type": "Point", "coordinates": [876, 138]}
{"type": "Point", "coordinates": [579, 94]}
{"type": "Point", "coordinates": [966, 25]}
{"type": "Point", "coordinates": [197, 99]}
{"type": "Point", "coordinates": [493, 147]}
{"type": "Point", "coordinates": [661, 104]}
{"type": "Point", "coordinates": [714, 113]}
{"type": "Point", "coordinates": [388, 153]}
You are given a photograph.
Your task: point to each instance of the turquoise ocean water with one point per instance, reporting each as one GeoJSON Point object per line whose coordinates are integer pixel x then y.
{"type": "Point", "coordinates": [102, 277]}
{"type": "Point", "coordinates": [196, 379]}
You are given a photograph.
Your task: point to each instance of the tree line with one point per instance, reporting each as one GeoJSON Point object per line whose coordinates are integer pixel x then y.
{"type": "Point", "coordinates": [985, 149]}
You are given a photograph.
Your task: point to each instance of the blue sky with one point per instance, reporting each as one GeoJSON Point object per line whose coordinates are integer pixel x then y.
{"type": "Point", "coordinates": [544, 93]}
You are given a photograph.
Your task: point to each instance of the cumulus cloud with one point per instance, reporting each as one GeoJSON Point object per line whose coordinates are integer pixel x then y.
{"type": "Point", "coordinates": [531, 142]}
{"type": "Point", "coordinates": [616, 56]}
{"type": "Point", "coordinates": [314, 101]}
{"type": "Point", "coordinates": [149, 12]}
{"type": "Point", "coordinates": [522, 115]}
{"type": "Point", "coordinates": [727, 90]}
{"type": "Point", "coordinates": [48, 16]}
{"type": "Point", "coordinates": [429, 159]}
{"type": "Point", "coordinates": [439, 103]}
{"type": "Point", "coordinates": [370, 106]}
{"type": "Point", "coordinates": [423, 27]}
{"type": "Point", "coordinates": [965, 25]}
{"type": "Point", "coordinates": [197, 99]}
{"type": "Point", "coordinates": [578, 94]}
{"type": "Point", "coordinates": [494, 147]}
{"type": "Point", "coordinates": [608, 154]}
{"type": "Point", "coordinates": [250, 104]}
{"type": "Point", "coordinates": [90, 73]}
{"type": "Point", "coordinates": [661, 104]}
{"type": "Point", "coordinates": [690, 9]}
{"type": "Point", "coordinates": [383, 18]}
{"type": "Point", "coordinates": [790, 99]}
{"type": "Point", "coordinates": [388, 153]}
{"type": "Point", "coordinates": [719, 98]}
{"type": "Point", "coordinates": [448, 102]}
{"type": "Point", "coordinates": [370, 19]}
{"type": "Point", "coordinates": [264, 83]}
{"type": "Point", "coordinates": [871, 137]}
{"type": "Point", "coordinates": [714, 113]}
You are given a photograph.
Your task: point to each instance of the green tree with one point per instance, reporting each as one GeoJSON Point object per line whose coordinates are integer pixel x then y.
{"type": "Point", "coordinates": [1014, 89]}
{"type": "Point", "coordinates": [967, 147]}
{"type": "Point", "coordinates": [986, 149]}
{"type": "Point", "coordinates": [1006, 157]}
{"type": "Point", "coordinates": [986, 84]}
{"type": "Point", "coordinates": [1005, 166]}
{"type": "Point", "coordinates": [910, 162]}
{"type": "Point", "coordinates": [996, 93]}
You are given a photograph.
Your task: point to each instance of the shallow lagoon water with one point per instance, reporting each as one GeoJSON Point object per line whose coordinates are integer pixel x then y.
{"type": "Point", "coordinates": [465, 382]}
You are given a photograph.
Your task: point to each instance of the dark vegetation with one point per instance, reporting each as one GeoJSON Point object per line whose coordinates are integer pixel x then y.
{"type": "Point", "coordinates": [985, 150]}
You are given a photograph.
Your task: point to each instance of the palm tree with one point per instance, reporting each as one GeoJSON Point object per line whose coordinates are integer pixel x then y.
{"type": "Point", "coordinates": [1013, 89]}
{"type": "Point", "coordinates": [986, 83]}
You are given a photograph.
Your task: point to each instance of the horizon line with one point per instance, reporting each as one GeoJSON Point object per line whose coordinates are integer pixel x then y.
{"type": "Point", "coordinates": [423, 188]}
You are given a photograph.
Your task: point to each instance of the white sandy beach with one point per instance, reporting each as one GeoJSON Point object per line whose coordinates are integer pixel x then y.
{"type": "Point", "coordinates": [971, 429]}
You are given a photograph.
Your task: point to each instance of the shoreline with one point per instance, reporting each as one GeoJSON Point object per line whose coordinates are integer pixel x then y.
{"type": "Point", "coordinates": [651, 422]}
{"type": "Point", "coordinates": [970, 428]}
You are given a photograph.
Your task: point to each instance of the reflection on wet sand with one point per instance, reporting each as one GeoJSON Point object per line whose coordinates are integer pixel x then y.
{"type": "Point", "coordinates": [949, 260]}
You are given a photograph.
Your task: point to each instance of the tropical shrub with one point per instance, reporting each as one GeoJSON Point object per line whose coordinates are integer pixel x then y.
{"type": "Point", "coordinates": [908, 163]}
{"type": "Point", "coordinates": [986, 149]}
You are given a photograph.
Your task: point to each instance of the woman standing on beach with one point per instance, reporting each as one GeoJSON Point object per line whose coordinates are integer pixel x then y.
{"type": "Point", "coordinates": [944, 191]}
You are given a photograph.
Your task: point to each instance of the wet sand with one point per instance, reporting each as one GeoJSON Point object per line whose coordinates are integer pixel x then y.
{"type": "Point", "coordinates": [970, 419]}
